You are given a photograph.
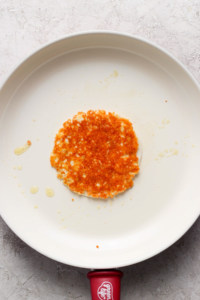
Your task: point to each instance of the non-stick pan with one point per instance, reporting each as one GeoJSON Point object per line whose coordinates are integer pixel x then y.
{"type": "Point", "coordinates": [138, 81]}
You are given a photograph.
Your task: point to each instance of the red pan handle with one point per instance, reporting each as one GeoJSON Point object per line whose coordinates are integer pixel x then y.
{"type": "Point", "coordinates": [105, 285]}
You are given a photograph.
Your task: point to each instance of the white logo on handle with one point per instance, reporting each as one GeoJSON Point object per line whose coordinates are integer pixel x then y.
{"type": "Point", "coordinates": [105, 291]}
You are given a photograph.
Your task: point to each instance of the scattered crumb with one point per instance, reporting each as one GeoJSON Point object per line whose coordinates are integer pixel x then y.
{"type": "Point", "coordinates": [98, 207]}
{"type": "Point", "coordinates": [49, 192]}
{"type": "Point", "coordinates": [193, 146]}
{"type": "Point", "coordinates": [34, 120]}
{"type": "Point", "coordinates": [167, 153]}
{"type": "Point", "coordinates": [37, 139]}
{"type": "Point", "coordinates": [174, 152]}
{"type": "Point", "coordinates": [35, 206]}
{"type": "Point", "coordinates": [165, 121]}
{"type": "Point", "coordinates": [72, 199]}
{"type": "Point", "coordinates": [64, 227]}
{"type": "Point", "coordinates": [176, 142]}
{"type": "Point", "coordinates": [34, 189]}
{"type": "Point", "coordinates": [166, 101]}
{"type": "Point", "coordinates": [97, 246]}
{"type": "Point", "coordinates": [59, 212]}
{"type": "Point", "coordinates": [21, 150]}
{"type": "Point", "coordinates": [17, 168]}
{"type": "Point", "coordinates": [115, 74]}
{"type": "Point", "coordinates": [62, 220]}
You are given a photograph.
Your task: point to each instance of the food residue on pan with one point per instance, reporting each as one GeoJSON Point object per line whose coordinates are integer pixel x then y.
{"type": "Point", "coordinates": [34, 189]}
{"type": "Point", "coordinates": [164, 123]}
{"type": "Point", "coordinates": [49, 192]}
{"type": "Point", "coordinates": [167, 153]}
{"type": "Point", "coordinates": [95, 154]}
{"type": "Point", "coordinates": [114, 74]}
{"type": "Point", "coordinates": [108, 79]}
{"type": "Point", "coordinates": [19, 168]}
{"type": "Point", "coordinates": [21, 150]}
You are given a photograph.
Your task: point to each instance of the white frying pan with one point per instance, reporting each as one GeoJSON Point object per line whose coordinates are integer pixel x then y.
{"type": "Point", "coordinates": [121, 74]}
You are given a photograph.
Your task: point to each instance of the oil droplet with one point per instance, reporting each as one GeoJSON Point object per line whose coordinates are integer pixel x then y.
{"type": "Point", "coordinates": [34, 189]}
{"type": "Point", "coordinates": [49, 192]}
{"type": "Point", "coordinates": [21, 150]}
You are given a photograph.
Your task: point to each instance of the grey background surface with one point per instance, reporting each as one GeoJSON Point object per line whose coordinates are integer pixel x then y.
{"type": "Point", "coordinates": [24, 27]}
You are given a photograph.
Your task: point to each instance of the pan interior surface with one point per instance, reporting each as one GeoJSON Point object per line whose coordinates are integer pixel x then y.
{"type": "Point", "coordinates": [119, 74]}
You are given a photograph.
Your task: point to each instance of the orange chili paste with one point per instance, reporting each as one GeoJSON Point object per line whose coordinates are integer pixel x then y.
{"type": "Point", "coordinates": [95, 154]}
